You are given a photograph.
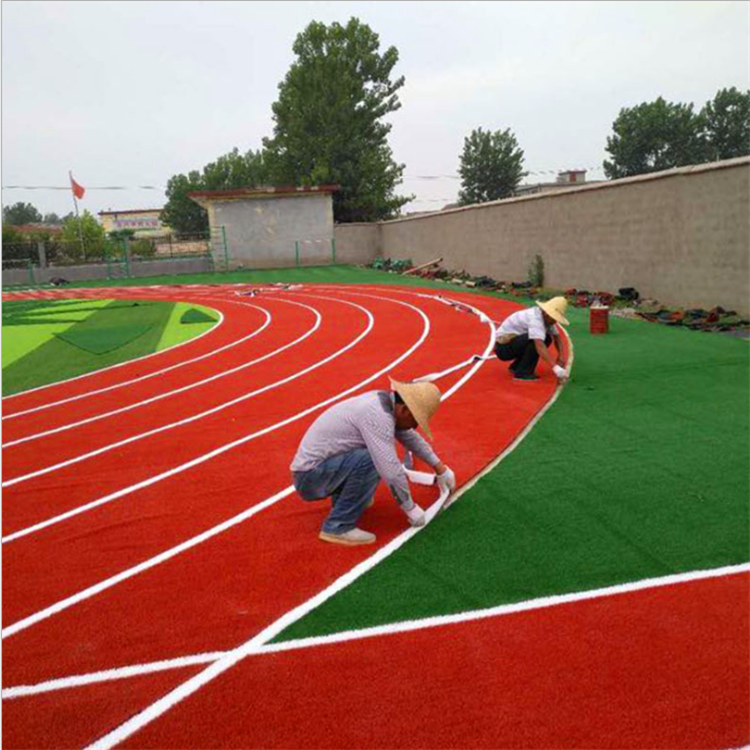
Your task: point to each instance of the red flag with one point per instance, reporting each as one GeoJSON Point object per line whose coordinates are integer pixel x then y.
{"type": "Point", "coordinates": [78, 190]}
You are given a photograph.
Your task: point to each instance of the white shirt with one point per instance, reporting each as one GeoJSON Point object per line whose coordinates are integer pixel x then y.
{"type": "Point", "coordinates": [530, 321]}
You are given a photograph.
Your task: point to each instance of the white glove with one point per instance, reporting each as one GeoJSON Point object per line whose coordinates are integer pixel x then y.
{"type": "Point", "coordinates": [447, 479]}
{"type": "Point", "coordinates": [560, 372]}
{"type": "Point", "coordinates": [416, 516]}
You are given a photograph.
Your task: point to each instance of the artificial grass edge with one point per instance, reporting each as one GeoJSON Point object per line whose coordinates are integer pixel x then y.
{"type": "Point", "coordinates": [644, 473]}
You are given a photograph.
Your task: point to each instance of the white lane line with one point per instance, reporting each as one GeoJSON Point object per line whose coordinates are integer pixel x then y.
{"type": "Point", "coordinates": [157, 372]}
{"type": "Point", "coordinates": [501, 610]}
{"type": "Point", "coordinates": [141, 436]}
{"type": "Point", "coordinates": [120, 364]}
{"type": "Point", "coordinates": [124, 575]}
{"type": "Point", "coordinates": [251, 646]}
{"type": "Point", "coordinates": [152, 562]}
{"type": "Point", "coordinates": [107, 675]}
{"type": "Point", "coordinates": [195, 417]}
{"type": "Point", "coordinates": [168, 394]}
{"type": "Point", "coordinates": [394, 628]}
{"type": "Point", "coordinates": [233, 657]}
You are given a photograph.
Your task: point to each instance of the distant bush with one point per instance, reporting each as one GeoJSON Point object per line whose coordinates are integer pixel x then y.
{"type": "Point", "coordinates": [143, 248]}
{"type": "Point", "coordinates": [536, 271]}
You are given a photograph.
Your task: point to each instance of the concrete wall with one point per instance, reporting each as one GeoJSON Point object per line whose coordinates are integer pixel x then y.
{"type": "Point", "coordinates": [357, 244]}
{"type": "Point", "coordinates": [261, 232]}
{"type": "Point", "coordinates": [682, 236]}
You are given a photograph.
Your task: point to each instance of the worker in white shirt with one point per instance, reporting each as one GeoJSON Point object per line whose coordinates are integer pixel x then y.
{"type": "Point", "coordinates": [525, 336]}
{"type": "Point", "coordinates": [350, 448]}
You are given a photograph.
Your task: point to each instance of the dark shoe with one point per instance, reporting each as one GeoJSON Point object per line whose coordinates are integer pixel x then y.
{"type": "Point", "coordinates": [525, 376]}
{"type": "Point", "coordinates": [512, 368]}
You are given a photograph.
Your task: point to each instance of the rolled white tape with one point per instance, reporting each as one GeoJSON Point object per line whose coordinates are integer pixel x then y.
{"type": "Point", "coordinates": [421, 477]}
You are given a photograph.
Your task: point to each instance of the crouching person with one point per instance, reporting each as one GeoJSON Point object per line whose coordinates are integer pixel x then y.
{"type": "Point", "coordinates": [526, 335]}
{"type": "Point", "coordinates": [351, 447]}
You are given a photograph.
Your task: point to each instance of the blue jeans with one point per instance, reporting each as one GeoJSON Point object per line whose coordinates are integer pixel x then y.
{"type": "Point", "coordinates": [350, 479]}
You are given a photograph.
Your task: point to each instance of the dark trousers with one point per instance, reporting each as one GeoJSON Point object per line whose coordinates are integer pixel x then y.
{"type": "Point", "coordinates": [522, 351]}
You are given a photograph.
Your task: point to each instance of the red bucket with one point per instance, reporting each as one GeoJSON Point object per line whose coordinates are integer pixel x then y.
{"type": "Point", "coordinates": [599, 319]}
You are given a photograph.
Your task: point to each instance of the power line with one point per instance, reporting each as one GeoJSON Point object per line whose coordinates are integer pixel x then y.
{"type": "Point", "coordinates": [67, 187]}
{"type": "Point", "coordinates": [430, 177]}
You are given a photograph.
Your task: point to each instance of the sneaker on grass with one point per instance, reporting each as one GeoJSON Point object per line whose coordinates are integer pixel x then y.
{"type": "Point", "coordinates": [351, 537]}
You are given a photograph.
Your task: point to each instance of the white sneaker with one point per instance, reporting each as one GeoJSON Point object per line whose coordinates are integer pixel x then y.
{"type": "Point", "coordinates": [351, 537]}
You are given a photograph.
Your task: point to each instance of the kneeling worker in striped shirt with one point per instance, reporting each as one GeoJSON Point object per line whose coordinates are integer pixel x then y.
{"type": "Point", "coordinates": [351, 447]}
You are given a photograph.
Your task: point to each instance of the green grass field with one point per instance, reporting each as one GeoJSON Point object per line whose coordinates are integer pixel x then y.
{"type": "Point", "coordinates": [640, 469]}
{"type": "Point", "coordinates": [45, 341]}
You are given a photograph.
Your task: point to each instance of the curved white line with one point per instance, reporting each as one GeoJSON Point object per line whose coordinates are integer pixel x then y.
{"type": "Point", "coordinates": [195, 417]}
{"type": "Point", "coordinates": [152, 374]}
{"type": "Point", "coordinates": [215, 452]}
{"type": "Point", "coordinates": [167, 394]}
{"type": "Point", "coordinates": [226, 662]}
{"type": "Point", "coordinates": [204, 536]}
{"type": "Point", "coordinates": [119, 364]}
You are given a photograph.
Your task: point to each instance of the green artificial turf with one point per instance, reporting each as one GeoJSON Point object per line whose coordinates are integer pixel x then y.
{"type": "Point", "coordinates": [178, 329]}
{"type": "Point", "coordinates": [640, 469]}
{"type": "Point", "coordinates": [28, 324]}
{"type": "Point", "coordinates": [48, 341]}
{"type": "Point", "coordinates": [333, 274]}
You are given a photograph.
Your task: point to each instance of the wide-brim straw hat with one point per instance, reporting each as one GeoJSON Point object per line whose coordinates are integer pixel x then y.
{"type": "Point", "coordinates": [556, 308]}
{"type": "Point", "coordinates": [422, 399]}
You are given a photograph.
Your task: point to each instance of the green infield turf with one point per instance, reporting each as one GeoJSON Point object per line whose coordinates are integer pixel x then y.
{"type": "Point", "coordinates": [45, 341]}
{"type": "Point", "coordinates": [640, 469]}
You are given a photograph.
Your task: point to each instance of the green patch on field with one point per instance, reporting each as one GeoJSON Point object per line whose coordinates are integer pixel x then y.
{"type": "Point", "coordinates": [186, 322]}
{"type": "Point", "coordinates": [48, 341]}
{"type": "Point", "coordinates": [27, 324]}
{"type": "Point", "coordinates": [640, 469]}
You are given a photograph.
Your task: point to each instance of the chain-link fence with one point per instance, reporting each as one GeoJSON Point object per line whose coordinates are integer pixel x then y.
{"type": "Point", "coordinates": [37, 262]}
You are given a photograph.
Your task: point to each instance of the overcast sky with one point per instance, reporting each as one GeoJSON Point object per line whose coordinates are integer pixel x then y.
{"type": "Point", "coordinates": [128, 94]}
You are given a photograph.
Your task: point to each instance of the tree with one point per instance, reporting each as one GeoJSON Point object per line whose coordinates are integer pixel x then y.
{"type": "Point", "coordinates": [52, 218]}
{"type": "Point", "coordinates": [491, 166]}
{"type": "Point", "coordinates": [654, 136]}
{"type": "Point", "coordinates": [726, 124]}
{"type": "Point", "coordinates": [21, 213]}
{"type": "Point", "coordinates": [11, 236]}
{"type": "Point", "coordinates": [232, 170]}
{"type": "Point", "coordinates": [181, 213]}
{"type": "Point", "coordinates": [94, 238]}
{"type": "Point", "coordinates": [328, 120]}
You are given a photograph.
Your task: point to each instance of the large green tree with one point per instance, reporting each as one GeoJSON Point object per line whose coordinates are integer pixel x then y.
{"type": "Point", "coordinates": [726, 124]}
{"type": "Point", "coordinates": [491, 166]}
{"type": "Point", "coordinates": [95, 244]}
{"type": "Point", "coordinates": [21, 213]}
{"type": "Point", "coordinates": [329, 120]}
{"type": "Point", "coordinates": [654, 136]}
{"type": "Point", "coordinates": [232, 170]}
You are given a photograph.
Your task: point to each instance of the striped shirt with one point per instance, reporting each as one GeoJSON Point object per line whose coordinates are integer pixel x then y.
{"type": "Point", "coordinates": [366, 421]}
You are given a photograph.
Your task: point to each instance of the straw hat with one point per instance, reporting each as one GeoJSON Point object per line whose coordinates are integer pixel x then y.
{"type": "Point", "coordinates": [422, 399]}
{"type": "Point", "coordinates": [555, 308]}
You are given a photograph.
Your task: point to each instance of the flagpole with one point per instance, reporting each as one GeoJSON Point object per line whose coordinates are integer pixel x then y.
{"type": "Point", "coordinates": [78, 218]}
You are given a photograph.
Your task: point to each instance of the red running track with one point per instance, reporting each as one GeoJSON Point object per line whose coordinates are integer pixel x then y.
{"type": "Point", "coordinates": [221, 592]}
